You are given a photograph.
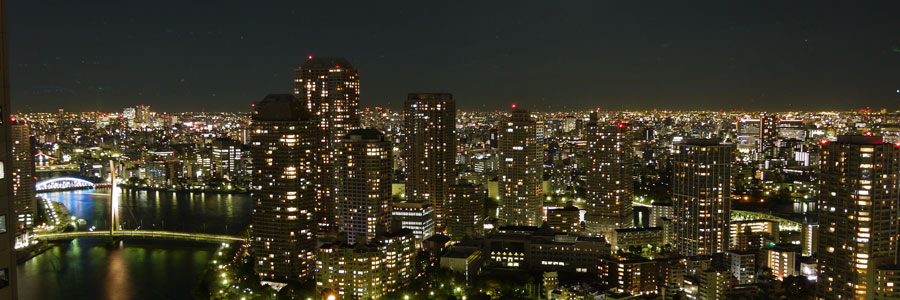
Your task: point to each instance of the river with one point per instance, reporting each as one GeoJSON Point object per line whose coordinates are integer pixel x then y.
{"type": "Point", "coordinates": [134, 269]}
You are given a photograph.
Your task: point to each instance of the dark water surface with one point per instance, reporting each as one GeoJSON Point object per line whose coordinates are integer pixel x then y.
{"type": "Point", "coordinates": [135, 269]}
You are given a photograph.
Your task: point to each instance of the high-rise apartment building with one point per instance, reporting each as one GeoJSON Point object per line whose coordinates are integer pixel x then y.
{"type": "Point", "coordinates": [521, 170]}
{"type": "Point", "coordinates": [329, 88]}
{"type": "Point", "coordinates": [8, 288]}
{"type": "Point", "coordinates": [858, 207]}
{"type": "Point", "coordinates": [363, 185]}
{"type": "Point", "coordinates": [609, 183]}
{"type": "Point", "coordinates": [465, 210]}
{"type": "Point", "coordinates": [284, 138]}
{"type": "Point", "coordinates": [701, 194]}
{"type": "Point", "coordinates": [22, 175]}
{"type": "Point", "coordinates": [429, 126]}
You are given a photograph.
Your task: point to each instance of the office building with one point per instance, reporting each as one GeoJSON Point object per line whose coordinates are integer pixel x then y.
{"type": "Point", "coordinates": [701, 194]}
{"type": "Point", "coordinates": [226, 158]}
{"type": "Point", "coordinates": [363, 185]}
{"type": "Point", "coordinates": [415, 216]}
{"type": "Point", "coordinates": [283, 140]}
{"type": "Point", "coordinates": [543, 249]}
{"type": "Point", "coordinates": [521, 170]}
{"type": "Point", "coordinates": [858, 207]}
{"type": "Point", "coordinates": [429, 126]}
{"type": "Point", "coordinates": [329, 88]}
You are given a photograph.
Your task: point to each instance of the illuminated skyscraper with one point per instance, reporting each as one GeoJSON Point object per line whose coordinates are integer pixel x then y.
{"type": "Point", "coordinates": [329, 87]}
{"type": "Point", "coordinates": [701, 193]}
{"type": "Point", "coordinates": [465, 210]}
{"type": "Point", "coordinates": [521, 170]}
{"type": "Point", "coordinates": [609, 183]}
{"type": "Point", "coordinates": [22, 173]}
{"type": "Point", "coordinates": [8, 289]}
{"type": "Point", "coordinates": [429, 123]}
{"type": "Point", "coordinates": [283, 143]}
{"type": "Point", "coordinates": [858, 207]}
{"type": "Point", "coordinates": [363, 189]}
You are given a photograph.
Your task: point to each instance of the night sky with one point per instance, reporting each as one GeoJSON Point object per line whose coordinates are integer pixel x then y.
{"type": "Point", "coordinates": [546, 55]}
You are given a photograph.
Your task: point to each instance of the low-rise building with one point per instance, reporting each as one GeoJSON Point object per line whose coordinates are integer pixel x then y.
{"type": "Point", "coordinates": [752, 234]}
{"type": "Point", "coordinates": [463, 259]}
{"type": "Point", "coordinates": [782, 261]}
{"type": "Point", "coordinates": [415, 216]}
{"type": "Point", "coordinates": [565, 219]}
{"type": "Point", "coordinates": [542, 249]}
{"type": "Point", "coordinates": [742, 265]}
{"type": "Point", "coordinates": [366, 271]}
{"type": "Point", "coordinates": [625, 238]}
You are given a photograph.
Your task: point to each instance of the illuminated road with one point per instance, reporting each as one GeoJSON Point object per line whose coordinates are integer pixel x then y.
{"type": "Point", "coordinates": [171, 235]}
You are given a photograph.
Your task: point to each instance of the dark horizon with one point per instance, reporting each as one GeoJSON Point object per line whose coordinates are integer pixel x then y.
{"type": "Point", "coordinates": [670, 56]}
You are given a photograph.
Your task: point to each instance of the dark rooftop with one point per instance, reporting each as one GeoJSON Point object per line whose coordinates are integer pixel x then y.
{"type": "Point", "coordinates": [366, 134]}
{"type": "Point", "coordinates": [327, 63]}
{"type": "Point", "coordinates": [279, 107]}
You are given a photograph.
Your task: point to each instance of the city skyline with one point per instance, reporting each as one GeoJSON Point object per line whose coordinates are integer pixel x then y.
{"type": "Point", "coordinates": [540, 151]}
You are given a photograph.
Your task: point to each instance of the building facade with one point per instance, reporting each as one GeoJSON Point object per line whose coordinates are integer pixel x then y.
{"type": "Point", "coordinates": [609, 183]}
{"type": "Point", "coordinates": [429, 126]}
{"type": "Point", "coordinates": [23, 174]}
{"type": "Point", "coordinates": [363, 190]}
{"type": "Point", "coordinates": [366, 271]}
{"type": "Point", "coordinates": [858, 207]}
{"type": "Point", "coordinates": [565, 219]}
{"type": "Point", "coordinates": [283, 224]}
{"type": "Point", "coordinates": [521, 170]}
{"type": "Point", "coordinates": [415, 216]}
{"type": "Point", "coordinates": [542, 249]}
{"type": "Point", "coordinates": [329, 88]}
{"type": "Point", "coordinates": [465, 210]}
{"type": "Point", "coordinates": [701, 194]}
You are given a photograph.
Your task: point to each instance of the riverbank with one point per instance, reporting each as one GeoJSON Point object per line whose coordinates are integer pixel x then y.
{"type": "Point", "coordinates": [29, 252]}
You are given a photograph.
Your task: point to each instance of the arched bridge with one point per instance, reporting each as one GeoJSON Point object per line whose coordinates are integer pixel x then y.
{"type": "Point", "coordinates": [62, 183]}
{"type": "Point", "coordinates": [151, 234]}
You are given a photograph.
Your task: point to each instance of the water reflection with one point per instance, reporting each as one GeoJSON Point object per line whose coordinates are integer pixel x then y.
{"type": "Point", "coordinates": [185, 212]}
{"type": "Point", "coordinates": [91, 269]}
